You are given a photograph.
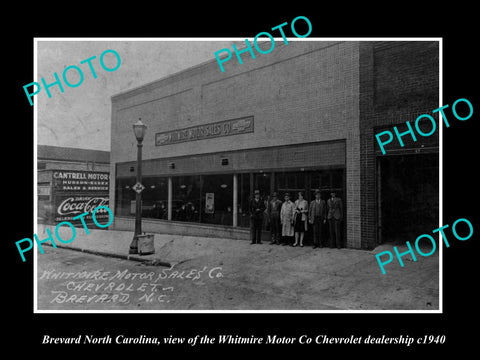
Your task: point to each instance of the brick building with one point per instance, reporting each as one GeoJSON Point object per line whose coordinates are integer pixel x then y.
{"type": "Point", "coordinates": [298, 119]}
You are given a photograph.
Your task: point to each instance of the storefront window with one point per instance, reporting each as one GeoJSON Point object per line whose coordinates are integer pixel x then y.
{"type": "Point", "coordinates": [244, 193]}
{"type": "Point", "coordinates": [208, 199]}
{"type": "Point", "coordinates": [124, 195]}
{"type": "Point", "coordinates": [291, 181]}
{"type": "Point", "coordinates": [217, 199]}
{"type": "Point", "coordinates": [327, 181]}
{"type": "Point", "coordinates": [154, 197]}
{"type": "Point", "coordinates": [337, 182]}
{"type": "Point", "coordinates": [261, 181]}
{"type": "Point", "coordinates": [186, 198]}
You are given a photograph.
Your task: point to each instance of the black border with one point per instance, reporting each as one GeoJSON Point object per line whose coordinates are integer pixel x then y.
{"type": "Point", "coordinates": [456, 25]}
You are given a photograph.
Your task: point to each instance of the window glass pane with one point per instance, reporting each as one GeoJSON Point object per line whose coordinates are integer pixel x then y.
{"type": "Point", "coordinates": [337, 178]}
{"type": "Point", "coordinates": [280, 181]}
{"type": "Point", "coordinates": [261, 182]}
{"type": "Point", "coordinates": [124, 195]}
{"type": "Point", "coordinates": [300, 176]}
{"type": "Point", "coordinates": [337, 182]}
{"type": "Point", "coordinates": [186, 198]}
{"type": "Point", "coordinates": [325, 180]}
{"type": "Point", "coordinates": [155, 197]}
{"type": "Point", "coordinates": [290, 181]}
{"type": "Point", "coordinates": [315, 182]}
{"type": "Point", "coordinates": [243, 197]}
{"type": "Point", "coordinates": [217, 199]}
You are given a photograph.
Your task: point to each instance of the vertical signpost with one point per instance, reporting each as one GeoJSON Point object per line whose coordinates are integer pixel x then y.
{"type": "Point", "coordinates": [139, 131]}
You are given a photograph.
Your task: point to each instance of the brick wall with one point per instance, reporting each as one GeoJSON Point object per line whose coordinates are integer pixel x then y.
{"type": "Point", "coordinates": [351, 104]}
{"type": "Point", "coordinates": [314, 155]}
{"type": "Point", "coordinates": [398, 82]}
{"type": "Point", "coordinates": [296, 94]}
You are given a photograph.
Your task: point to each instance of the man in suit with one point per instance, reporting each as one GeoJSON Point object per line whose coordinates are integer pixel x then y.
{"type": "Point", "coordinates": [257, 207]}
{"type": "Point", "coordinates": [335, 216]}
{"type": "Point", "coordinates": [317, 217]}
{"type": "Point", "coordinates": [274, 207]}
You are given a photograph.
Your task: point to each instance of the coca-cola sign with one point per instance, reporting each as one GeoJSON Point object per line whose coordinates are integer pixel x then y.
{"type": "Point", "coordinates": [68, 207]}
{"type": "Point", "coordinates": [79, 205]}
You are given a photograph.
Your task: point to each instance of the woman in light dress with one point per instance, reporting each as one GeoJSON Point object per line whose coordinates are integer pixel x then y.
{"type": "Point", "coordinates": [286, 219]}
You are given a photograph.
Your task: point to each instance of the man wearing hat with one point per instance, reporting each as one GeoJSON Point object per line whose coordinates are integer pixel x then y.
{"type": "Point", "coordinates": [317, 215]}
{"type": "Point", "coordinates": [335, 216]}
{"type": "Point", "coordinates": [273, 212]}
{"type": "Point", "coordinates": [257, 207]}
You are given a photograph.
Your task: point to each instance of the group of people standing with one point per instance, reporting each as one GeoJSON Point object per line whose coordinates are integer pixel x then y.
{"type": "Point", "coordinates": [290, 220]}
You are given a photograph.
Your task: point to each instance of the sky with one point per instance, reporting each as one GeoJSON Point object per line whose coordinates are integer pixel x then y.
{"type": "Point", "coordinates": [80, 116]}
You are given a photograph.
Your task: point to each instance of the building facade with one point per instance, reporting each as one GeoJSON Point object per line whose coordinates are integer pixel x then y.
{"type": "Point", "coordinates": [71, 181]}
{"type": "Point", "coordinates": [299, 119]}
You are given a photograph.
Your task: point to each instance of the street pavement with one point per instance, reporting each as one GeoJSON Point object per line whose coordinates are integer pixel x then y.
{"type": "Point", "coordinates": [196, 273]}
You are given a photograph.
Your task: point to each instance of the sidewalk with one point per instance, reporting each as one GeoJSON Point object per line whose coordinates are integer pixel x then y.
{"type": "Point", "coordinates": [339, 278]}
{"type": "Point", "coordinates": [169, 249]}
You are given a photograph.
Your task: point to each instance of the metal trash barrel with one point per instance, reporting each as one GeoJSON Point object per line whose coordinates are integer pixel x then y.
{"type": "Point", "coordinates": [146, 245]}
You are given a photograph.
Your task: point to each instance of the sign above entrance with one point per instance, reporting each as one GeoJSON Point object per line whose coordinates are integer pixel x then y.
{"type": "Point", "coordinates": [207, 131]}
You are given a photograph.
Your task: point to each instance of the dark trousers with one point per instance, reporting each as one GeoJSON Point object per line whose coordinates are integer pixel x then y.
{"type": "Point", "coordinates": [275, 228]}
{"type": "Point", "coordinates": [287, 240]}
{"type": "Point", "coordinates": [335, 233]}
{"type": "Point", "coordinates": [317, 232]}
{"type": "Point", "coordinates": [256, 230]}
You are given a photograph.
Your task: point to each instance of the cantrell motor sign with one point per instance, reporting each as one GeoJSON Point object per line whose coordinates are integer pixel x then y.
{"type": "Point", "coordinates": [207, 131]}
{"type": "Point", "coordinates": [80, 181]}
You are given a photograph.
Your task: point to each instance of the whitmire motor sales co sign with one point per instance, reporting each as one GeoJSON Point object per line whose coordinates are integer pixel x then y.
{"type": "Point", "coordinates": [76, 192]}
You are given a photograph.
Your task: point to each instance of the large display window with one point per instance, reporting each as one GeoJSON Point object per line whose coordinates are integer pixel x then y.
{"type": "Point", "coordinates": [208, 199]}
{"type": "Point", "coordinates": [217, 199]}
{"type": "Point", "coordinates": [154, 197]}
{"type": "Point", "coordinates": [186, 198]}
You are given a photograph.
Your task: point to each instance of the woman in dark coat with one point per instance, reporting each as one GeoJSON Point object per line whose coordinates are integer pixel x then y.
{"type": "Point", "coordinates": [301, 211]}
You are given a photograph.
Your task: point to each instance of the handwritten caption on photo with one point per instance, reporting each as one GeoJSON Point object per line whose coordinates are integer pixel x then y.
{"type": "Point", "coordinates": [99, 209]}
{"type": "Point", "coordinates": [123, 286]}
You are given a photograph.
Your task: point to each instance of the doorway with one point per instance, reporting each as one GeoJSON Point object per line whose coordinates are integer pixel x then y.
{"type": "Point", "coordinates": [407, 196]}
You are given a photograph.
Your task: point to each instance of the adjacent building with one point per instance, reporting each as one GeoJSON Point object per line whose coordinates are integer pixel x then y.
{"type": "Point", "coordinates": [71, 181]}
{"type": "Point", "coordinates": [301, 118]}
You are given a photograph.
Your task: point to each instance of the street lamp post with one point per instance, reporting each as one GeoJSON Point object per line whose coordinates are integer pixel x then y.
{"type": "Point", "coordinates": [139, 131]}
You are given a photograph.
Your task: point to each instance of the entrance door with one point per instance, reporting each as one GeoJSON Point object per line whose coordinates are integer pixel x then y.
{"type": "Point", "coordinates": [407, 196]}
